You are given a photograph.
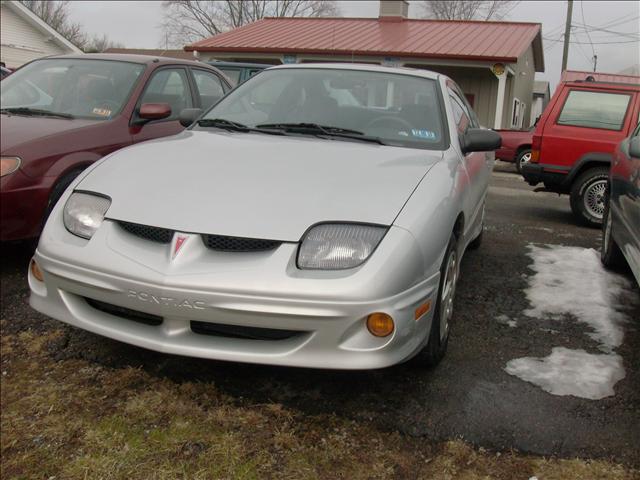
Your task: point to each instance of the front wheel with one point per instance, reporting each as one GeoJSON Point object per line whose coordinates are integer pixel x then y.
{"type": "Point", "coordinates": [436, 346]}
{"type": "Point", "coordinates": [588, 195]}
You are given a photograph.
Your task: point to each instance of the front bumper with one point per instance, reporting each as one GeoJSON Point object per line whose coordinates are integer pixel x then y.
{"type": "Point", "coordinates": [326, 311]}
{"type": "Point", "coordinates": [554, 178]}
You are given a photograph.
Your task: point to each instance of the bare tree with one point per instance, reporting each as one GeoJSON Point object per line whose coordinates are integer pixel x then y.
{"type": "Point", "coordinates": [99, 44]}
{"type": "Point", "coordinates": [187, 21]}
{"type": "Point", "coordinates": [56, 15]}
{"type": "Point", "coordinates": [467, 9]}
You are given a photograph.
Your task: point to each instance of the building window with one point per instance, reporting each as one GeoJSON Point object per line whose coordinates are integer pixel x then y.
{"type": "Point", "coordinates": [515, 114]}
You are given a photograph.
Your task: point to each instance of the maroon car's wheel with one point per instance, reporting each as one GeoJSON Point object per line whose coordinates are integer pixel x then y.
{"type": "Point", "coordinates": [610, 254]}
{"type": "Point", "coordinates": [523, 157]}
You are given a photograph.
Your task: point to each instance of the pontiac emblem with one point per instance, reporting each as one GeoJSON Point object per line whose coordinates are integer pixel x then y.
{"type": "Point", "coordinates": [180, 241]}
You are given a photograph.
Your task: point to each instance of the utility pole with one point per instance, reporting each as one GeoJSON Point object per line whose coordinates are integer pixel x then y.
{"type": "Point", "coordinates": [567, 35]}
{"type": "Point", "coordinates": [595, 62]}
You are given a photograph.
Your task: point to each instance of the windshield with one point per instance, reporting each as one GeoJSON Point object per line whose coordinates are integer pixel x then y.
{"type": "Point", "coordinates": [401, 110]}
{"type": "Point", "coordinates": [96, 89]}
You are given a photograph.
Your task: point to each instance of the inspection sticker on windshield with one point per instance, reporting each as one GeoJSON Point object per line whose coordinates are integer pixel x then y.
{"type": "Point", "coordinates": [424, 134]}
{"type": "Point", "coordinates": [103, 112]}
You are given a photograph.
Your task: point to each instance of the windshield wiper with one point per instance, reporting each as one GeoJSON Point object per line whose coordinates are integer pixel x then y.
{"type": "Point", "coordinates": [316, 129]}
{"type": "Point", "coordinates": [233, 126]}
{"type": "Point", "coordinates": [34, 112]}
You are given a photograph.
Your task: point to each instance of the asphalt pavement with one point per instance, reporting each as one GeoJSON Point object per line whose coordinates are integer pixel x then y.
{"type": "Point", "coordinates": [469, 395]}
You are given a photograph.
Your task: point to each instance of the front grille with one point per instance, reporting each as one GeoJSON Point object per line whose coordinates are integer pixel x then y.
{"type": "Point", "coordinates": [237, 244]}
{"type": "Point", "coordinates": [154, 234]}
{"type": "Point", "coordinates": [133, 315]}
{"type": "Point", "coordinates": [220, 243]}
{"type": "Point", "coordinates": [245, 333]}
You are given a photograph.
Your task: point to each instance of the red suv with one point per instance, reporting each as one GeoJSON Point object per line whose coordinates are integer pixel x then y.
{"type": "Point", "coordinates": [574, 141]}
{"type": "Point", "coordinates": [60, 114]}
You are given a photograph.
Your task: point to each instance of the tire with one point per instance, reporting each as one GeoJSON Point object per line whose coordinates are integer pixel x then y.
{"type": "Point", "coordinates": [477, 242]}
{"type": "Point", "coordinates": [610, 254]}
{"type": "Point", "coordinates": [523, 157]}
{"type": "Point", "coordinates": [587, 196]}
{"type": "Point", "coordinates": [436, 346]}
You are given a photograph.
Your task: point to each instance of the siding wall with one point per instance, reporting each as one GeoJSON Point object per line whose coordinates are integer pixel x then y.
{"type": "Point", "coordinates": [20, 42]}
{"type": "Point", "coordinates": [480, 83]}
{"type": "Point", "coordinates": [522, 89]}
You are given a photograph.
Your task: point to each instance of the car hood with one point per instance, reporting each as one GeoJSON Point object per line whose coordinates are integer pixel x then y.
{"type": "Point", "coordinates": [255, 185]}
{"type": "Point", "coordinates": [16, 130]}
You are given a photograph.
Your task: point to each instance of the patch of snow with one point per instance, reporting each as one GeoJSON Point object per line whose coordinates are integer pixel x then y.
{"type": "Point", "coordinates": [571, 280]}
{"type": "Point", "coordinates": [503, 319]}
{"type": "Point", "coordinates": [571, 372]}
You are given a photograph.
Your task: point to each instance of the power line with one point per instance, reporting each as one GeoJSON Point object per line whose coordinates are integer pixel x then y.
{"type": "Point", "coordinates": [619, 21]}
{"type": "Point", "coordinates": [586, 27]}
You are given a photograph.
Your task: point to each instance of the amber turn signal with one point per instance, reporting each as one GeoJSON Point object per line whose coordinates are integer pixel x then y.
{"type": "Point", "coordinates": [423, 309]}
{"type": "Point", "coordinates": [36, 272]}
{"type": "Point", "coordinates": [380, 324]}
{"type": "Point", "coordinates": [535, 156]}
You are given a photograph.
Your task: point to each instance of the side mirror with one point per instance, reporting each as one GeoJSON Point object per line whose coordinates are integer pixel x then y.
{"type": "Point", "coordinates": [480, 140]}
{"type": "Point", "coordinates": [189, 115]}
{"type": "Point", "coordinates": [154, 111]}
{"type": "Point", "coordinates": [634, 147]}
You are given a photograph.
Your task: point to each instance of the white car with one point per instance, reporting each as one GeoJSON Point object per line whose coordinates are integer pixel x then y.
{"type": "Point", "coordinates": [288, 231]}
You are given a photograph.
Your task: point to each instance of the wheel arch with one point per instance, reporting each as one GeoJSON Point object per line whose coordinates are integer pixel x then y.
{"type": "Point", "coordinates": [458, 226]}
{"type": "Point", "coordinates": [587, 161]}
{"type": "Point", "coordinates": [524, 146]}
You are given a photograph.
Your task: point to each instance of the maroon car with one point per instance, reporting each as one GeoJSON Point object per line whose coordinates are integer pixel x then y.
{"type": "Point", "coordinates": [60, 114]}
{"type": "Point", "coordinates": [516, 146]}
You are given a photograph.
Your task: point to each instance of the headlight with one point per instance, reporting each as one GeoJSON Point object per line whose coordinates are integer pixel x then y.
{"type": "Point", "coordinates": [8, 165]}
{"type": "Point", "coordinates": [84, 213]}
{"type": "Point", "coordinates": [332, 246]}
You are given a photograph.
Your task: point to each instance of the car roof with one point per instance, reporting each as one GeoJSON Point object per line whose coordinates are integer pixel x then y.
{"type": "Point", "coordinates": [416, 72]}
{"type": "Point", "coordinates": [130, 57]}
{"type": "Point", "coordinates": [219, 64]}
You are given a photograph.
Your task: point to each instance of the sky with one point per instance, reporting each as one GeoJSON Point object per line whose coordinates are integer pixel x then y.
{"type": "Point", "coordinates": [138, 24]}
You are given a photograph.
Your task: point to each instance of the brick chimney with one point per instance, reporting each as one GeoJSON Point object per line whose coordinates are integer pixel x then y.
{"type": "Point", "coordinates": [393, 10]}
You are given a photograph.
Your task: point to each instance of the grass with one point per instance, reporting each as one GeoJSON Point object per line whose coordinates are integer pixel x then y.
{"type": "Point", "coordinates": [71, 419]}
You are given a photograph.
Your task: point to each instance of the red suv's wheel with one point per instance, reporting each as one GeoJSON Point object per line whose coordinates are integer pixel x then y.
{"type": "Point", "coordinates": [588, 195]}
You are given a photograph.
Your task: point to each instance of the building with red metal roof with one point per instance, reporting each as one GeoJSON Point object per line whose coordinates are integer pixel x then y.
{"type": "Point", "coordinates": [493, 62]}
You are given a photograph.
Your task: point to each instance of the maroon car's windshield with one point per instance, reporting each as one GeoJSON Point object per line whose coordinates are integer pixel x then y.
{"type": "Point", "coordinates": [96, 89]}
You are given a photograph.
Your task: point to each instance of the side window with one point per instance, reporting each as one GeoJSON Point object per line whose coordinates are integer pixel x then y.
{"type": "Point", "coordinates": [461, 115]}
{"type": "Point", "coordinates": [232, 73]}
{"type": "Point", "coordinates": [170, 86]}
{"type": "Point", "coordinates": [594, 110]}
{"type": "Point", "coordinates": [210, 87]}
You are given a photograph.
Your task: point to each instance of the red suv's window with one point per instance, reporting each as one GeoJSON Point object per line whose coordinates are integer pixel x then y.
{"type": "Point", "coordinates": [594, 110]}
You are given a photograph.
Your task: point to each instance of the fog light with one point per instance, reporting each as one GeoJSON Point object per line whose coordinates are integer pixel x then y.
{"type": "Point", "coordinates": [36, 272]}
{"type": "Point", "coordinates": [380, 324]}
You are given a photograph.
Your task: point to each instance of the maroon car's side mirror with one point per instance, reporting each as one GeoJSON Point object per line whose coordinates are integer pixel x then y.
{"type": "Point", "coordinates": [154, 111]}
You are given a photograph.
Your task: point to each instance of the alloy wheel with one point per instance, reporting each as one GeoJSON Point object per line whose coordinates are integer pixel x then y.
{"type": "Point", "coordinates": [448, 294]}
{"type": "Point", "coordinates": [526, 158]}
{"type": "Point", "coordinates": [594, 198]}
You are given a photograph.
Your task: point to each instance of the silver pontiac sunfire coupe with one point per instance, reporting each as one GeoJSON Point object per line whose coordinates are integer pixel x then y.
{"type": "Point", "coordinates": [316, 216]}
